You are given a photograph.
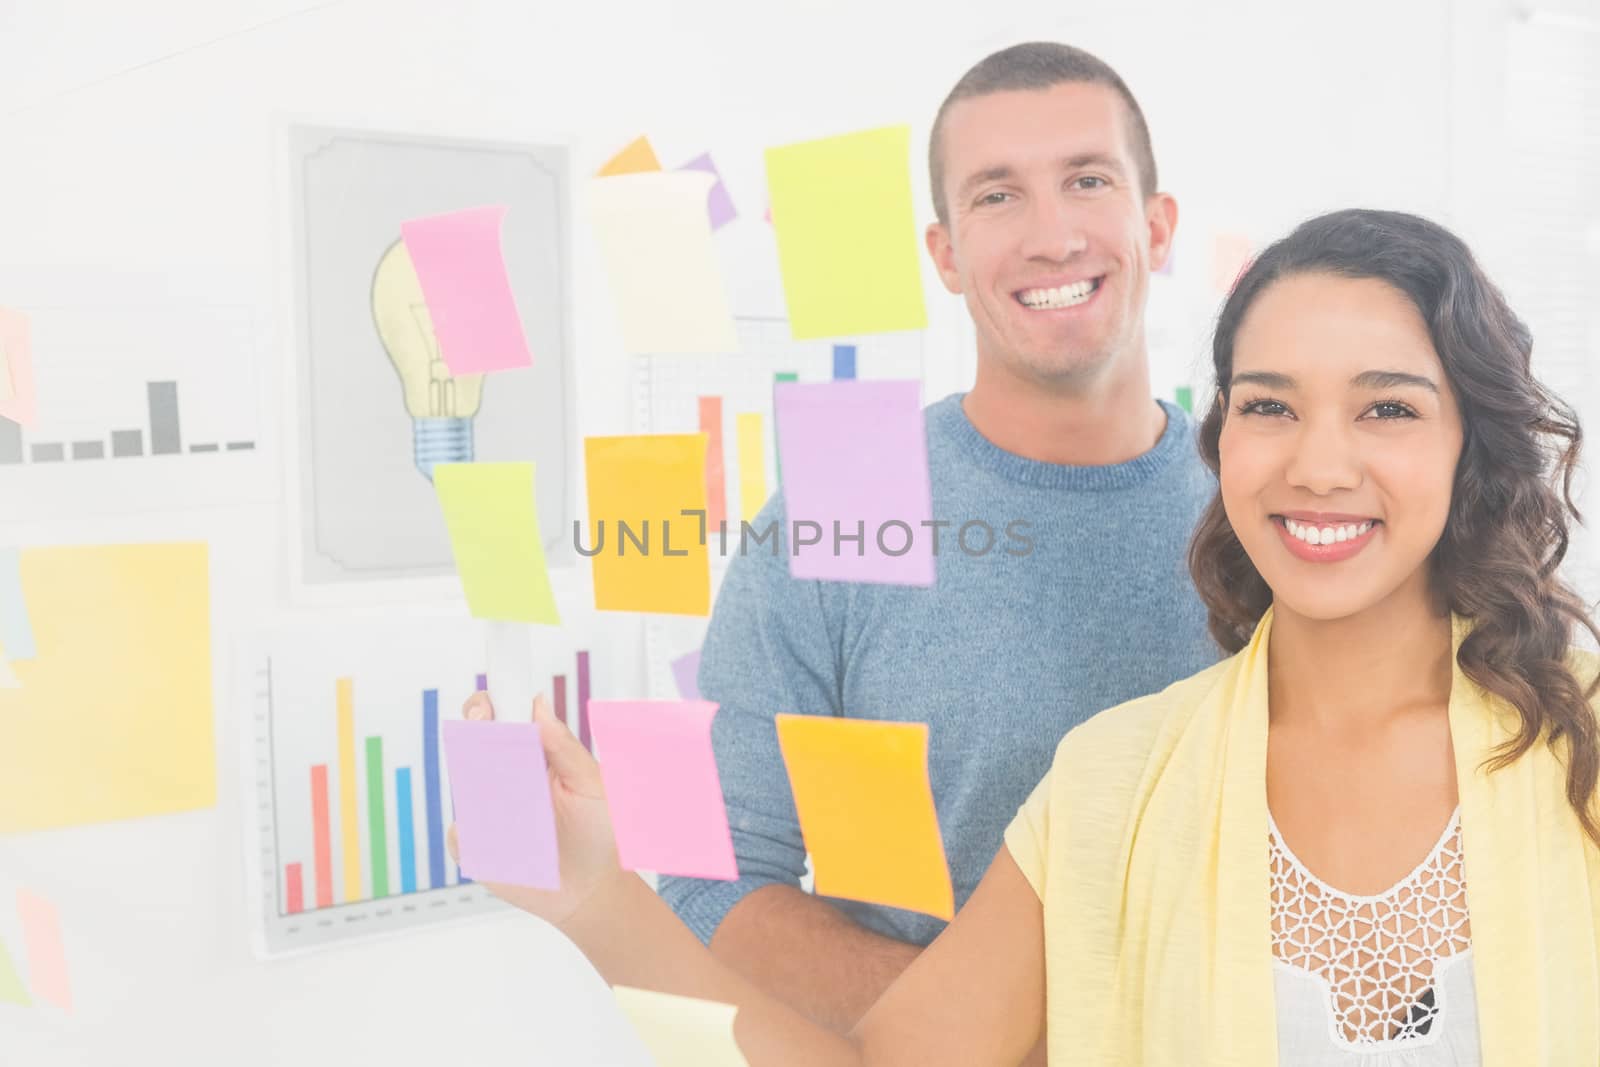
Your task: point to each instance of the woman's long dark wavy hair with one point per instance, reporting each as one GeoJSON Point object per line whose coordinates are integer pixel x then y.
{"type": "Point", "coordinates": [1507, 530]}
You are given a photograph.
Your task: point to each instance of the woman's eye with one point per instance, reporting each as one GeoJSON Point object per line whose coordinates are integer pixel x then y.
{"type": "Point", "coordinates": [1262, 407]}
{"type": "Point", "coordinates": [1392, 409]}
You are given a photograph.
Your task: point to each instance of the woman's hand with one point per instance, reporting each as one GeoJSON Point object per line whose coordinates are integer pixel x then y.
{"type": "Point", "coordinates": [588, 851]}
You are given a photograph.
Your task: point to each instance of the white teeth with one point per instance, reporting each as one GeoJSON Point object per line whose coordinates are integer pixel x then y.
{"type": "Point", "coordinates": [1063, 297]}
{"type": "Point", "coordinates": [1326, 535]}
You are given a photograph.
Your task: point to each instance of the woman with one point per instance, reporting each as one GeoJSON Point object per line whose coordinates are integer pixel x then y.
{"type": "Point", "coordinates": [1369, 836]}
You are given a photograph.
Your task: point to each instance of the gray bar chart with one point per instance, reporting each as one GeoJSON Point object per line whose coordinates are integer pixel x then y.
{"type": "Point", "coordinates": [164, 429]}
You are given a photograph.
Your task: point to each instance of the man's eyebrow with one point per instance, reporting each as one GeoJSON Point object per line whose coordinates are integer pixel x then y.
{"type": "Point", "coordinates": [988, 174]}
{"type": "Point", "coordinates": [1368, 379]}
{"type": "Point", "coordinates": [1095, 159]}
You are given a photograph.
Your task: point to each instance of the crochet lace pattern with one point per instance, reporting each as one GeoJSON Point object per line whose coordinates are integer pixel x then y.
{"type": "Point", "coordinates": [1376, 955]}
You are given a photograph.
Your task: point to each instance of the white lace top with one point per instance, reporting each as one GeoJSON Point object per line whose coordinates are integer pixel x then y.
{"type": "Point", "coordinates": [1379, 981]}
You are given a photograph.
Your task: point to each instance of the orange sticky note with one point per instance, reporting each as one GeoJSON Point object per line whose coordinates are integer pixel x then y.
{"type": "Point", "coordinates": [866, 811]}
{"type": "Point", "coordinates": [47, 960]}
{"type": "Point", "coordinates": [636, 157]}
{"type": "Point", "coordinates": [647, 534]}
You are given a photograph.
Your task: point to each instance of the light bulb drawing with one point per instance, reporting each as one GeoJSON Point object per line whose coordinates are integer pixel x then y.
{"type": "Point", "coordinates": [441, 406]}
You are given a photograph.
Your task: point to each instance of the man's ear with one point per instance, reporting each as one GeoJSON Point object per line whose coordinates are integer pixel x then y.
{"type": "Point", "coordinates": [943, 252]}
{"type": "Point", "coordinates": [1161, 211]}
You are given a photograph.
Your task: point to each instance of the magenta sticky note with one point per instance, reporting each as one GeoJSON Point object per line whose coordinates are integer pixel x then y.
{"type": "Point", "coordinates": [462, 271]}
{"type": "Point", "coordinates": [686, 673]}
{"type": "Point", "coordinates": [854, 456]}
{"type": "Point", "coordinates": [505, 824]}
{"type": "Point", "coordinates": [719, 205]}
{"type": "Point", "coordinates": [662, 786]}
{"type": "Point", "coordinates": [47, 958]}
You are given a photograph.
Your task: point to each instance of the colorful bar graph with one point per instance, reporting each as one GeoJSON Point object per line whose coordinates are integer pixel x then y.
{"type": "Point", "coordinates": [844, 362]}
{"type": "Point", "coordinates": [483, 683]}
{"type": "Point", "coordinates": [377, 831]}
{"type": "Point", "coordinates": [752, 465]}
{"type": "Point", "coordinates": [321, 839]}
{"type": "Point", "coordinates": [430, 787]}
{"type": "Point", "coordinates": [165, 435]}
{"type": "Point", "coordinates": [558, 687]}
{"type": "Point", "coordinates": [716, 478]}
{"type": "Point", "coordinates": [583, 701]}
{"type": "Point", "coordinates": [777, 459]}
{"type": "Point", "coordinates": [1184, 395]}
{"type": "Point", "coordinates": [295, 891]}
{"type": "Point", "coordinates": [350, 836]}
{"type": "Point", "coordinates": [407, 834]}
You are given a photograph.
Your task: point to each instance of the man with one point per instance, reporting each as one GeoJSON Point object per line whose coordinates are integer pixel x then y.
{"type": "Point", "coordinates": [1048, 224]}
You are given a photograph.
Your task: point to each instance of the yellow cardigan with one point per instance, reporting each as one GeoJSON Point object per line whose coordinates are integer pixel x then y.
{"type": "Point", "coordinates": [1147, 844]}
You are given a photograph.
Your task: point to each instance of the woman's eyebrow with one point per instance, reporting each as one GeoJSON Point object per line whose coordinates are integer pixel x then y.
{"type": "Point", "coordinates": [1368, 379]}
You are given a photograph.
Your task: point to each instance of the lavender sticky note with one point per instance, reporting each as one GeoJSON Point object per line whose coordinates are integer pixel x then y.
{"type": "Point", "coordinates": [462, 271]}
{"type": "Point", "coordinates": [505, 824]}
{"type": "Point", "coordinates": [854, 456]}
{"type": "Point", "coordinates": [718, 204]}
{"type": "Point", "coordinates": [662, 786]}
{"type": "Point", "coordinates": [686, 673]}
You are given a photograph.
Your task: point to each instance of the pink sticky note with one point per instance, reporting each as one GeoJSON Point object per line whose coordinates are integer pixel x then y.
{"type": "Point", "coordinates": [47, 960]}
{"type": "Point", "coordinates": [505, 824]}
{"type": "Point", "coordinates": [19, 403]}
{"type": "Point", "coordinates": [719, 205]}
{"type": "Point", "coordinates": [854, 456]}
{"type": "Point", "coordinates": [686, 673]}
{"type": "Point", "coordinates": [463, 276]}
{"type": "Point", "coordinates": [662, 786]}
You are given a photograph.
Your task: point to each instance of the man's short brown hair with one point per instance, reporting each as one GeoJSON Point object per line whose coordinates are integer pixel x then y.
{"type": "Point", "coordinates": [1039, 65]}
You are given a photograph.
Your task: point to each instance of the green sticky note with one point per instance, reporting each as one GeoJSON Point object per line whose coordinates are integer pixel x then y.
{"type": "Point", "coordinates": [494, 533]}
{"type": "Point", "coordinates": [12, 991]}
{"type": "Point", "coordinates": [847, 234]}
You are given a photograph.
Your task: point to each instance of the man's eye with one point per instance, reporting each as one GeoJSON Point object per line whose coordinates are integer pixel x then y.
{"type": "Point", "coordinates": [992, 198]}
{"type": "Point", "coordinates": [1098, 182]}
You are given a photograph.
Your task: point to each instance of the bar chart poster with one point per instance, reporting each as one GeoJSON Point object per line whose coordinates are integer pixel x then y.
{"type": "Point", "coordinates": [350, 798]}
{"type": "Point", "coordinates": [140, 406]}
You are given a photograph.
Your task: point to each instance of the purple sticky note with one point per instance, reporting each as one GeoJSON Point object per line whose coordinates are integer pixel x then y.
{"type": "Point", "coordinates": [686, 673]}
{"type": "Point", "coordinates": [463, 276]}
{"type": "Point", "coordinates": [505, 824]}
{"type": "Point", "coordinates": [854, 456]}
{"type": "Point", "coordinates": [718, 204]}
{"type": "Point", "coordinates": [662, 786]}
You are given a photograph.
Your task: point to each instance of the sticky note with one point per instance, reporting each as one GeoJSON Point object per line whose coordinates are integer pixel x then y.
{"type": "Point", "coordinates": [20, 402]}
{"type": "Point", "coordinates": [500, 788]}
{"type": "Point", "coordinates": [719, 206]}
{"type": "Point", "coordinates": [114, 717]}
{"type": "Point", "coordinates": [716, 469]}
{"type": "Point", "coordinates": [493, 521]}
{"type": "Point", "coordinates": [866, 810]}
{"type": "Point", "coordinates": [16, 632]}
{"type": "Point", "coordinates": [47, 959]}
{"type": "Point", "coordinates": [636, 157]}
{"type": "Point", "coordinates": [855, 462]}
{"type": "Point", "coordinates": [647, 555]}
{"type": "Point", "coordinates": [12, 991]}
{"type": "Point", "coordinates": [682, 1031]}
{"type": "Point", "coordinates": [8, 677]}
{"type": "Point", "coordinates": [847, 234]}
{"type": "Point", "coordinates": [662, 786]}
{"type": "Point", "coordinates": [462, 271]}
{"type": "Point", "coordinates": [686, 675]}
{"type": "Point", "coordinates": [655, 240]}
{"type": "Point", "coordinates": [750, 440]}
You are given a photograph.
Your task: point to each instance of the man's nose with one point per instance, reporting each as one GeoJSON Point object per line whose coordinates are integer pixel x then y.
{"type": "Point", "coordinates": [1053, 231]}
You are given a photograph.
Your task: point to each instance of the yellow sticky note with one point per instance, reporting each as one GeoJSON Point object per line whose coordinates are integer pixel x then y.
{"type": "Point", "coordinates": [635, 157]}
{"type": "Point", "coordinates": [113, 719]}
{"type": "Point", "coordinates": [494, 533]}
{"type": "Point", "coordinates": [847, 234]}
{"type": "Point", "coordinates": [666, 281]}
{"type": "Point", "coordinates": [752, 464]}
{"type": "Point", "coordinates": [646, 553]}
{"type": "Point", "coordinates": [866, 811]}
{"type": "Point", "coordinates": [12, 991]}
{"type": "Point", "coordinates": [8, 677]}
{"type": "Point", "coordinates": [682, 1031]}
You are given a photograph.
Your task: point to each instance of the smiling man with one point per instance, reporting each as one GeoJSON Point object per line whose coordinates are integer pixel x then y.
{"type": "Point", "coordinates": [1049, 221]}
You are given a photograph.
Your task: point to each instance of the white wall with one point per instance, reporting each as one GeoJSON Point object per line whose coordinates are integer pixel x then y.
{"type": "Point", "coordinates": [170, 171]}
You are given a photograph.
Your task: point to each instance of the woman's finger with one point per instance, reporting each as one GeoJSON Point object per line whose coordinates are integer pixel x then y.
{"type": "Point", "coordinates": [478, 707]}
